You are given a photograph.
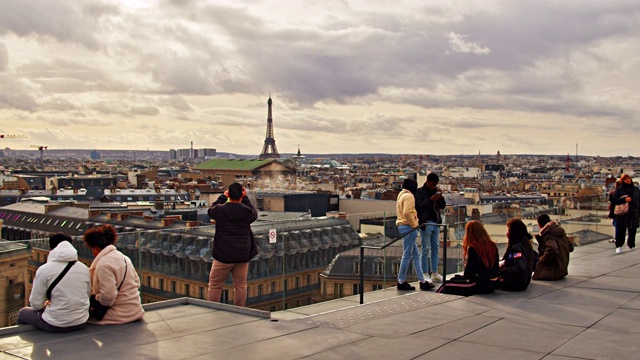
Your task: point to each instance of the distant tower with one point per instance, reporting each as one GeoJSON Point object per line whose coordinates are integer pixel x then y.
{"type": "Point", "coordinates": [269, 149]}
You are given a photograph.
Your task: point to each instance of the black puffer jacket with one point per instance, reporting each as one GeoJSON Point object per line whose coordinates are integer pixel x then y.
{"type": "Point", "coordinates": [428, 210]}
{"type": "Point", "coordinates": [518, 266]}
{"type": "Point", "coordinates": [632, 218]}
{"type": "Point", "coordinates": [233, 241]}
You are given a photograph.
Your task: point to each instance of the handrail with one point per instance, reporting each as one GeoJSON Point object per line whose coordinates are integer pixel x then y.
{"type": "Point", "coordinates": [444, 255]}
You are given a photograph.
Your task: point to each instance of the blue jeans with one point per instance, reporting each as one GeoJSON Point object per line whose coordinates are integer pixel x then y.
{"type": "Point", "coordinates": [430, 246]}
{"type": "Point", "coordinates": [410, 252]}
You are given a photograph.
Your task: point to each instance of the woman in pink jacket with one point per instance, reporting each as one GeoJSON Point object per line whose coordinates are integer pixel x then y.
{"type": "Point", "coordinates": [114, 280]}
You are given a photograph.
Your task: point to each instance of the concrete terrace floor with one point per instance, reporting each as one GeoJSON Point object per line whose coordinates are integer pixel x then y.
{"type": "Point", "coordinates": [593, 314]}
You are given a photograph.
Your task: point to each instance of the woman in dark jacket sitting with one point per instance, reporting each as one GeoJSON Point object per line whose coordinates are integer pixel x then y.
{"type": "Point", "coordinates": [517, 265]}
{"type": "Point", "coordinates": [481, 267]}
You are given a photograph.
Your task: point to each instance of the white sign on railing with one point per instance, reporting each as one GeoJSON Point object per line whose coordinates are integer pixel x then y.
{"type": "Point", "coordinates": [272, 236]}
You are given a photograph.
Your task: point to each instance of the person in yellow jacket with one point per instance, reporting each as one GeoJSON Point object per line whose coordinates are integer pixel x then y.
{"type": "Point", "coordinates": [407, 223]}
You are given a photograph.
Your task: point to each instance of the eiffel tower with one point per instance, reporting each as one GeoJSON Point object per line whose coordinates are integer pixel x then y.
{"type": "Point", "coordinates": [269, 150]}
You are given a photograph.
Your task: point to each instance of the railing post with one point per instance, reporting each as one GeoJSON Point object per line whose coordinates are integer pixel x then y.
{"type": "Point", "coordinates": [445, 240]}
{"type": "Point", "coordinates": [361, 275]}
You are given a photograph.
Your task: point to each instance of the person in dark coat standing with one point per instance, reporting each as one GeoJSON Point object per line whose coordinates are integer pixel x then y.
{"type": "Point", "coordinates": [627, 192]}
{"type": "Point", "coordinates": [233, 243]}
{"type": "Point", "coordinates": [554, 248]}
{"type": "Point", "coordinates": [429, 202]}
{"type": "Point", "coordinates": [517, 263]}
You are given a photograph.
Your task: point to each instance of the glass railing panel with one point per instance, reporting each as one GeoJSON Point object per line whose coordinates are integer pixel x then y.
{"type": "Point", "coordinates": [319, 260]}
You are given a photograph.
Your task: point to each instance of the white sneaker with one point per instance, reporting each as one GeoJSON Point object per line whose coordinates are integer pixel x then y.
{"type": "Point", "coordinates": [619, 250]}
{"type": "Point", "coordinates": [437, 277]}
{"type": "Point", "coordinates": [427, 278]}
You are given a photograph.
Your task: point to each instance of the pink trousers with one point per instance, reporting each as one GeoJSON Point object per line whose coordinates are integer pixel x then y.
{"type": "Point", "coordinates": [217, 277]}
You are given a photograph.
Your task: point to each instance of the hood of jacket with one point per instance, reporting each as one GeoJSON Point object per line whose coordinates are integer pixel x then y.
{"type": "Point", "coordinates": [64, 252]}
{"type": "Point", "coordinates": [552, 228]}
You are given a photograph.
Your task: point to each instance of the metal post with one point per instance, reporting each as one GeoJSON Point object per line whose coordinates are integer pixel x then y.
{"type": "Point", "coordinates": [445, 239]}
{"type": "Point", "coordinates": [361, 275]}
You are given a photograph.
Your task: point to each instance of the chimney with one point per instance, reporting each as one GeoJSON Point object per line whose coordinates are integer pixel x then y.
{"type": "Point", "coordinates": [123, 216]}
{"type": "Point", "coordinates": [112, 216]}
{"type": "Point", "coordinates": [148, 218]}
{"type": "Point", "coordinates": [166, 222]}
{"type": "Point", "coordinates": [191, 224]}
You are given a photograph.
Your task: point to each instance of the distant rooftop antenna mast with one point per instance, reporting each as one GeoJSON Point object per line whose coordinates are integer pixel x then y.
{"type": "Point", "coordinates": [269, 149]}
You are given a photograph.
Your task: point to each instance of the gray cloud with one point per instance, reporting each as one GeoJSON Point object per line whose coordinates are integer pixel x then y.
{"type": "Point", "coordinates": [65, 22]}
{"type": "Point", "coordinates": [459, 67]}
{"type": "Point", "coordinates": [4, 57]}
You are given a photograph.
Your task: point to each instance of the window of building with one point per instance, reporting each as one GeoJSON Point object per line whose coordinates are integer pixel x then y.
{"type": "Point", "coordinates": [375, 287]}
{"type": "Point", "coordinates": [355, 289]}
{"type": "Point", "coordinates": [186, 289]}
{"type": "Point", "coordinates": [378, 267]}
{"type": "Point", "coordinates": [259, 290]}
{"type": "Point", "coordinates": [395, 267]}
{"type": "Point", "coordinates": [201, 292]}
{"type": "Point", "coordinates": [286, 285]}
{"type": "Point", "coordinates": [149, 281]}
{"type": "Point", "coordinates": [308, 279]}
{"type": "Point", "coordinates": [173, 287]}
{"type": "Point", "coordinates": [12, 265]}
{"type": "Point", "coordinates": [225, 296]}
{"type": "Point", "coordinates": [356, 267]}
{"type": "Point", "coordinates": [337, 290]}
{"type": "Point", "coordinates": [273, 308]}
{"type": "Point", "coordinates": [273, 287]}
{"type": "Point", "coordinates": [161, 284]}
{"type": "Point", "coordinates": [297, 282]}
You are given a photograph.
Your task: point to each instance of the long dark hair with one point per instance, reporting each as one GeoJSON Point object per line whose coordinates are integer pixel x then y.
{"type": "Point", "coordinates": [518, 234]}
{"type": "Point", "coordinates": [476, 237]}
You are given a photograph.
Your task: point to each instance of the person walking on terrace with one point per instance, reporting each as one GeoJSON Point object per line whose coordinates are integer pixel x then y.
{"type": "Point", "coordinates": [233, 243]}
{"type": "Point", "coordinates": [629, 194]}
{"type": "Point", "coordinates": [429, 202]}
{"type": "Point", "coordinates": [517, 263]}
{"type": "Point", "coordinates": [481, 264]}
{"type": "Point", "coordinates": [554, 248]}
{"type": "Point", "coordinates": [407, 224]}
{"type": "Point", "coordinates": [59, 302]}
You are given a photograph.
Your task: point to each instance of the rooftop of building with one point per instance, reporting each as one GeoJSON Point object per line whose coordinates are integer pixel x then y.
{"type": "Point", "coordinates": [592, 314]}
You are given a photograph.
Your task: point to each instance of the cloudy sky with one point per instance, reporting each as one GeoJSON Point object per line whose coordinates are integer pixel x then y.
{"type": "Point", "coordinates": [401, 77]}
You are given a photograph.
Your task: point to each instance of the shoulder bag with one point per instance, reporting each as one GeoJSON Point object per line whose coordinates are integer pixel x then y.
{"type": "Point", "coordinates": [621, 209]}
{"type": "Point", "coordinates": [57, 280]}
{"type": "Point", "coordinates": [97, 310]}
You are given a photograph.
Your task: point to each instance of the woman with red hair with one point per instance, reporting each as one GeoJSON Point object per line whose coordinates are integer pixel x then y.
{"type": "Point", "coordinates": [481, 264]}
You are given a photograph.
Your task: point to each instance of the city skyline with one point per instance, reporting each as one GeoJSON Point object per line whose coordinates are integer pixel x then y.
{"type": "Point", "coordinates": [408, 77]}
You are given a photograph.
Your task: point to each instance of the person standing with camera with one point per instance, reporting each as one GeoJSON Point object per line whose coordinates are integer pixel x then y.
{"type": "Point", "coordinates": [233, 243]}
{"type": "Point", "coordinates": [429, 202]}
